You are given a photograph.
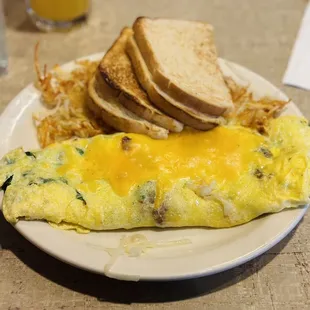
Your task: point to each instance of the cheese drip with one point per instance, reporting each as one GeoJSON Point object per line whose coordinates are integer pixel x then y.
{"type": "Point", "coordinates": [127, 160]}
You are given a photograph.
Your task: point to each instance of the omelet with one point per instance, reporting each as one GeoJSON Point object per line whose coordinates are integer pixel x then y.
{"type": "Point", "coordinates": [220, 178]}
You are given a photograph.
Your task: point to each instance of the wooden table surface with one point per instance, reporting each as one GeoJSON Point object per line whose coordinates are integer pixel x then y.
{"type": "Point", "coordinates": [256, 34]}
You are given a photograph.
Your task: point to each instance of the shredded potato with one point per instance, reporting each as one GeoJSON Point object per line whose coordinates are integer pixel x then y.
{"type": "Point", "coordinates": [249, 112]}
{"type": "Point", "coordinates": [66, 95]}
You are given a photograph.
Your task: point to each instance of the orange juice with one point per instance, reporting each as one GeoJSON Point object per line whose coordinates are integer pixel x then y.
{"type": "Point", "coordinates": [60, 10]}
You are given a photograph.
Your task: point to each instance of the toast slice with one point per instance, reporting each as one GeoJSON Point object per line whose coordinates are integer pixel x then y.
{"type": "Point", "coordinates": [104, 102]}
{"type": "Point", "coordinates": [186, 115]}
{"type": "Point", "coordinates": [117, 71]}
{"type": "Point", "coordinates": [182, 59]}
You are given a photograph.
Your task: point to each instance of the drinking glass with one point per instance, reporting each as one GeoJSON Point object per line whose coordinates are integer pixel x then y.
{"type": "Point", "coordinates": [49, 15]}
{"type": "Point", "coordinates": [3, 50]}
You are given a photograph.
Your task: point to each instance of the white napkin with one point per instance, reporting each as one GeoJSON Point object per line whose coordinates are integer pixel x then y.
{"type": "Point", "coordinates": [298, 70]}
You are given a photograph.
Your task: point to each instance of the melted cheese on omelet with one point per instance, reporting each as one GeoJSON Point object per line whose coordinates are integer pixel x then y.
{"type": "Point", "coordinates": [219, 178]}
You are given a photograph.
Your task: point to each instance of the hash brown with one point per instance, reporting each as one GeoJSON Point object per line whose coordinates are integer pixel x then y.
{"type": "Point", "coordinates": [66, 94]}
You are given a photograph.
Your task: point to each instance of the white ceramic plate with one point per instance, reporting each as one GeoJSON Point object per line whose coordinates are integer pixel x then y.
{"type": "Point", "coordinates": [210, 250]}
